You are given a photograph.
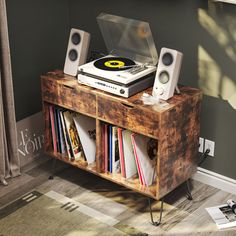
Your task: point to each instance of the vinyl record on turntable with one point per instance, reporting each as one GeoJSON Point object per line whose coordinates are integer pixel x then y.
{"type": "Point", "coordinates": [114, 63]}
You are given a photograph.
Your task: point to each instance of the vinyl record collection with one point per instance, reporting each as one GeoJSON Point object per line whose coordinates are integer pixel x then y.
{"type": "Point", "coordinates": [126, 153]}
{"type": "Point", "coordinates": [129, 154]}
{"type": "Point", "coordinates": [73, 134]}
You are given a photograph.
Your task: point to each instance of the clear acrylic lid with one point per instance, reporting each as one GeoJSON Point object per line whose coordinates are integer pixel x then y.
{"type": "Point", "coordinates": [128, 38]}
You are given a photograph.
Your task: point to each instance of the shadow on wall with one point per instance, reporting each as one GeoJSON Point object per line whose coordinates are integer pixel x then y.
{"type": "Point", "coordinates": [217, 52]}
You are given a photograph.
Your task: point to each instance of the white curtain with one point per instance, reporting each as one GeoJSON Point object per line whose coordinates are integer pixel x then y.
{"type": "Point", "coordinates": [9, 157]}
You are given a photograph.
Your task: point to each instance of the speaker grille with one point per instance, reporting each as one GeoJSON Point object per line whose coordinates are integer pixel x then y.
{"type": "Point", "coordinates": [164, 77]}
{"type": "Point", "coordinates": [75, 39]}
{"type": "Point", "coordinates": [167, 59]}
{"type": "Point", "coordinates": [73, 55]}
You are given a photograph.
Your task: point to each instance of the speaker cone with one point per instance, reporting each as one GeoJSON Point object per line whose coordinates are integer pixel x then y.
{"type": "Point", "coordinates": [167, 59]}
{"type": "Point", "coordinates": [73, 55]}
{"type": "Point", "coordinates": [75, 38]}
{"type": "Point", "coordinates": [164, 77]}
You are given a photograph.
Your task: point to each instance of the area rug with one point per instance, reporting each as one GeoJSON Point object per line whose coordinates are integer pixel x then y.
{"type": "Point", "coordinates": [53, 214]}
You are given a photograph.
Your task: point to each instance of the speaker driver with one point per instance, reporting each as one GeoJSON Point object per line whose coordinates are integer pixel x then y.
{"type": "Point", "coordinates": [167, 59]}
{"type": "Point", "coordinates": [76, 38]}
{"type": "Point", "coordinates": [164, 77]}
{"type": "Point", "coordinates": [73, 55]}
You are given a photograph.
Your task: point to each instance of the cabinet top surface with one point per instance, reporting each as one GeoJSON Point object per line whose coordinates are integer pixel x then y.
{"type": "Point", "coordinates": [135, 100]}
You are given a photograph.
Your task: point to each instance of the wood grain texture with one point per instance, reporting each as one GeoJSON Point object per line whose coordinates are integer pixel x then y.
{"type": "Point", "coordinates": [175, 126]}
{"type": "Point", "coordinates": [84, 102]}
{"type": "Point", "coordinates": [100, 151]}
{"type": "Point", "coordinates": [47, 129]}
{"type": "Point", "coordinates": [178, 145]}
{"type": "Point", "coordinates": [49, 90]}
{"type": "Point", "coordinates": [128, 116]}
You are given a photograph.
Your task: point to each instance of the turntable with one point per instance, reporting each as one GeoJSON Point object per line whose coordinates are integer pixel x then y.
{"type": "Point", "coordinates": [130, 65]}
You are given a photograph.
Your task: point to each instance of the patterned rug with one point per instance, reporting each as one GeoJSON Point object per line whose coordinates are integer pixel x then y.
{"type": "Point", "coordinates": [37, 214]}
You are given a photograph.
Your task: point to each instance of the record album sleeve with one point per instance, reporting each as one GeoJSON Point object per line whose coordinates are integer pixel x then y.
{"type": "Point", "coordinates": [130, 164]}
{"type": "Point", "coordinates": [86, 127]}
{"type": "Point", "coordinates": [147, 163]}
{"type": "Point", "coordinates": [73, 135]}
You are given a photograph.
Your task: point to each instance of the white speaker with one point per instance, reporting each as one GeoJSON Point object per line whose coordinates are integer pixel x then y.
{"type": "Point", "coordinates": [167, 73]}
{"type": "Point", "coordinates": [77, 51]}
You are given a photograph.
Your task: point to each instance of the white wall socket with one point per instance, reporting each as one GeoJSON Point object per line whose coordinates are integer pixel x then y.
{"type": "Point", "coordinates": [209, 145]}
{"type": "Point", "coordinates": [201, 145]}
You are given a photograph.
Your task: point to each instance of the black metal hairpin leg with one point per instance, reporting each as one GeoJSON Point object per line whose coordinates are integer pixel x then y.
{"type": "Point", "coordinates": [54, 160]}
{"type": "Point", "coordinates": [189, 195]}
{"type": "Point", "coordinates": [155, 223]}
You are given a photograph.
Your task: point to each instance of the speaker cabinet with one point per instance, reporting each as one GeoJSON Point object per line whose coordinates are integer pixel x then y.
{"type": "Point", "coordinates": [77, 51]}
{"type": "Point", "coordinates": [167, 73]}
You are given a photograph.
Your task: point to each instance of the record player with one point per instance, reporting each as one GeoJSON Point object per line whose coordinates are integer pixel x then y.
{"type": "Point", "coordinates": [131, 61]}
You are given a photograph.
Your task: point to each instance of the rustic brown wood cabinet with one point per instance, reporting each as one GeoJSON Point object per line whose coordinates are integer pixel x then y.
{"type": "Point", "coordinates": [174, 126]}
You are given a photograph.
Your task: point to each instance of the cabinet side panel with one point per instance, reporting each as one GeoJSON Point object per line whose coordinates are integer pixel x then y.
{"type": "Point", "coordinates": [100, 164]}
{"type": "Point", "coordinates": [178, 144]}
{"type": "Point", "coordinates": [47, 129]}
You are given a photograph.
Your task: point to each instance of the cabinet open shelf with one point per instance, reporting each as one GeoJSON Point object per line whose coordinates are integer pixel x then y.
{"type": "Point", "coordinates": [175, 126]}
{"type": "Point", "coordinates": [117, 178]}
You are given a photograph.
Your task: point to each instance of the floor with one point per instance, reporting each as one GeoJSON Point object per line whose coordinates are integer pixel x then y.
{"type": "Point", "coordinates": [129, 209]}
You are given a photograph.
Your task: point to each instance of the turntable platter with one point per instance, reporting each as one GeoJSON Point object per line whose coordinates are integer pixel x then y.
{"type": "Point", "coordinates": [114, 63]}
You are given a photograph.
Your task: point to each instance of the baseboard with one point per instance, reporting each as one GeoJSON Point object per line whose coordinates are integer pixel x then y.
{"type": "Point", "coordinates": [216, 180]}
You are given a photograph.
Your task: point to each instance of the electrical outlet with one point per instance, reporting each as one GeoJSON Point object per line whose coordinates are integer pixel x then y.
{"type": "Point", "coordinates": [209, 145]}
{"type": "Point", "coordinates": [201, 145]}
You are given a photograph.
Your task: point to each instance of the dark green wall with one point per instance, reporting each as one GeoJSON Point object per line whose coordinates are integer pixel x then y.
{"type": "Point", "coordinates": [39, 32]}
{"type": "Point", "coordinates": [171, 22]}
{"type": "Point", "coordinates": [219, 82]}
{"type": "Point", "coordinates": [38, 39]}
{"type": "Point", "coordinates": [175, 24]}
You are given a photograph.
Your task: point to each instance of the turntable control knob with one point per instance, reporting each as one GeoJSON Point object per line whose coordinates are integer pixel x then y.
{"type": "Point", "coordinates": [122, 91]}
